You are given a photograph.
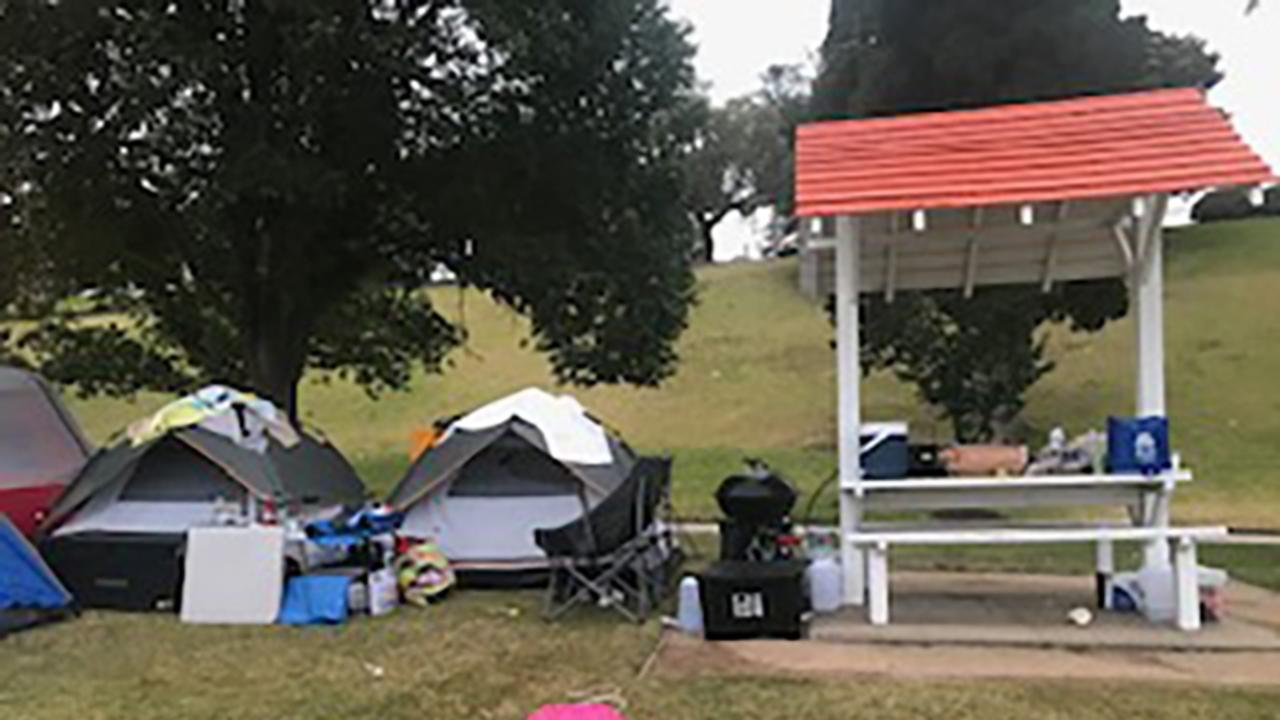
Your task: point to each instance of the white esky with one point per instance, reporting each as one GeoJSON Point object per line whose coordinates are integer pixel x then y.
{"type": "Point", "coordinates": [738, 39]}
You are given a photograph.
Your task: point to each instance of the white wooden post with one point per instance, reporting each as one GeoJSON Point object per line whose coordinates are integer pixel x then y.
{"type": "Point", "coordinates": [1146, 296]}
{"type": "Point", "coordinates": [849, 423]}
{"type": "Point", "coordinates": [878, 583]}
{"type": "Point", "coordinates": [1105, 569]}
{"type": "Point", "coordinates": [1187, 585]}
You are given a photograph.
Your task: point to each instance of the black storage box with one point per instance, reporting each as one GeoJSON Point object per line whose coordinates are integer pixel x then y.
{"type": "Point", "coordinates": [925, 461]}
{"type": "Point", "coordinates": [119, 571]}
{"type": "Point", "coordinates": [743, 600]}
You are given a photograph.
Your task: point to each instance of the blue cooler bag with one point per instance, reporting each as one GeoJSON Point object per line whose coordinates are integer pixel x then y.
{"type": "Point", "coordinates": [1138, 445]}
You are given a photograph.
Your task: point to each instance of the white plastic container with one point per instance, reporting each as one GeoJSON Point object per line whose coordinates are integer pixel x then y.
{"type": "Point", "coordinates": [824, 578]}
{"type": "Point", "coordinates": [1159, 599]}
{"type": "Point", "coordinates": [1209, 578]}
{"type": "Point", "coordinates": [357, 598]}
{"type": "Point", "coordinates": [384, 593]}
{"type": "Point", "coordinates": [689, 607]}
{"type": "Point", "coordinates": [1213, 584]}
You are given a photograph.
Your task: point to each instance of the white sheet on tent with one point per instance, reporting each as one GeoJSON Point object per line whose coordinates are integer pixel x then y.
{"type": "Point", "coordinates": [570, 434]}
{"type": "Point", "coordinates": [489, 528]}
{"type": "Point", "coordinates": [240, 417]}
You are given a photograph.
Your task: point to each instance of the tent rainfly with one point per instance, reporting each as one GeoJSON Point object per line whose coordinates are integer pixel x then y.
{"type": "Point", "coordinates": [117, 534]}
{"type": "Point", "coordinates": [30, 594]}
{"type": "Point", "coordinates": [41, 447]}
{"type": "Point", "coordinates": [1038, 193]}
{"type": "Point", "coordinates": [172, 482]}
{"type": "Point", "coordinates": [528, 461]}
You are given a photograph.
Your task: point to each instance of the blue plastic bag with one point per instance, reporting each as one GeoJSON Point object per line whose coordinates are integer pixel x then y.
{"type": "Point", "coordinates": [1138, 445]}
{"type": "Point", "coordinates": [314, 600]}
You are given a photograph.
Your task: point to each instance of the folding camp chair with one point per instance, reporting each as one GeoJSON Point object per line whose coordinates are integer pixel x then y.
{"type": "Point", "coordinates": [614, 555]}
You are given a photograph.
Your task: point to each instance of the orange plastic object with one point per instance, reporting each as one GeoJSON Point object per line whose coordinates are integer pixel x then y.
{"type": "Point", "coordinates": [422, 440]}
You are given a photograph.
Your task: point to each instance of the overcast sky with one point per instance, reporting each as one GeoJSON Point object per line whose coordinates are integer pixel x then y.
{"type": "Point", "coordinates": [737, 39]}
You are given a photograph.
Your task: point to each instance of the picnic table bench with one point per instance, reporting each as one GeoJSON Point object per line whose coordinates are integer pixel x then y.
{"type": "Point", "coordinates": [876, 545]}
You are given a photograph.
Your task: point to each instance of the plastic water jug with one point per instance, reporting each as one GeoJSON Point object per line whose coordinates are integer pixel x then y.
{"type": "Point", "coordinates": [689, 609]}
{"type": "Point", "coordinates": [384, 592]}
{"type": "Point", "coordinates": [824, 577]}
{"type": "Point", "coordinates": [1158, 599]}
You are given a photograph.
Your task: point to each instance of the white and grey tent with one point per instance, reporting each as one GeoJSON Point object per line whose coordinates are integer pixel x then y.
{"type": "Point", "coordinates": [115, 535]}
{"type": "Point", "coordinates": [528, 461]}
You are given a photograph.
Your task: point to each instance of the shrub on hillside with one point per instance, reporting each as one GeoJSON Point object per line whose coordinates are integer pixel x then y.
{"type": "Point", "coordinates": [1232, 204]}
{"type": "Point", "coordinates": [1271, 202]}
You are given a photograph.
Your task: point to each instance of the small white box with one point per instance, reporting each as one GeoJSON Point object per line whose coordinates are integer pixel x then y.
{"type": "Point", "coordinates": [233, 575]}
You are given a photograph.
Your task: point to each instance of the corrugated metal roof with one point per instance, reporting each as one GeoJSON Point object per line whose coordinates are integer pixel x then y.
{"type": "Point", "coordinates": [1092, 147]}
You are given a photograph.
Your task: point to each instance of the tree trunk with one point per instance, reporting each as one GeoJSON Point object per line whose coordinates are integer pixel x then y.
{"type": "Point", "coordinates": [276, 328]}
{"type": "Point", "coordinates": [275, 348]}
{"type": "Point", "coordinates": [707, 229]}
{"type": "Point", "coordinates": [275, 369]}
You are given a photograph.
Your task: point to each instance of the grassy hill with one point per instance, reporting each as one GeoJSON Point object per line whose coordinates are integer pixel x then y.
{"type": "Point", "coordinates": [758, 377]}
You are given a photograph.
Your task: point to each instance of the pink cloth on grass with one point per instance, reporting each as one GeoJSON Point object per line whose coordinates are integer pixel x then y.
{"type": "Point", "coordinates": [585, 711]}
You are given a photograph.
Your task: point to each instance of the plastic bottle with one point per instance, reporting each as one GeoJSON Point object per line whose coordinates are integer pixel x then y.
{"type": "Point", "coordinates": [1157, 584]}
{"type": "Point", "coordinates": [689, 609]}
{"type": "Point", "coordinates": [824, 577]}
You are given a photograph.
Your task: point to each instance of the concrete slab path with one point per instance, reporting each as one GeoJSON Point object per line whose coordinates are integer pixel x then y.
{"type": "Point", "coordinates": [948, 632]}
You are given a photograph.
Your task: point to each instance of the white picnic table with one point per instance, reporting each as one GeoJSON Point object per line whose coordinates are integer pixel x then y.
{"type": "Point", "coordinates": [1036, 194]}
{"type": "Point", "coordinates": [1145, 497]}
{"type": "Point", "coordinates": [1184, 576]}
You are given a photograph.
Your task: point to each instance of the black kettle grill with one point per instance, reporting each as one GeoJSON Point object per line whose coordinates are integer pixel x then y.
{"type": "Point", "coordinates": [757, 506]}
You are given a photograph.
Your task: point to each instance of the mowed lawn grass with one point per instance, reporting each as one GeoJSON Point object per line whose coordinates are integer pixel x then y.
{"type": "Point", "coordinates": [489, 655]}
{"type": "Point", "coordinates": [757, 377]}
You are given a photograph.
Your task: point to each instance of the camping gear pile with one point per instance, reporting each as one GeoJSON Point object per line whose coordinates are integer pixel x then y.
{"type": "Point", "coordinates": [218, 507]}
{"type": "Point", "coordinates": [1131, 445]}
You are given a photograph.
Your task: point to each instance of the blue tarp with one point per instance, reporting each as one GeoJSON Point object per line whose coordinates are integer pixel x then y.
{"type": "Point", "coordinates": [314, 600]}
{"type": "Point", "coordinates": [25, 580]}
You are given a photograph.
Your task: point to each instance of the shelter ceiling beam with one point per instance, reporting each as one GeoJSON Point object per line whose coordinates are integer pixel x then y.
{"type": "Point", "coordinates": [891, 259]}
{"type": "Point", "coordinates": [1122, 242]}
{"type": "Point", "coordinates": [971, 259]}
{"type": "Point", "coordinates": [1051, 260]}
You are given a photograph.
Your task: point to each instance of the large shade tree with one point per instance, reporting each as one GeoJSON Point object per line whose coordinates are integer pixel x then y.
{"type": "Point", "coordinates": [975, 358]}
{"type": "Point", "coordinates": [262, 186]}
{"type": "Point", "coordinates": [741, 157]}
{"type": "Point", "coordinates": [28, 287]}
